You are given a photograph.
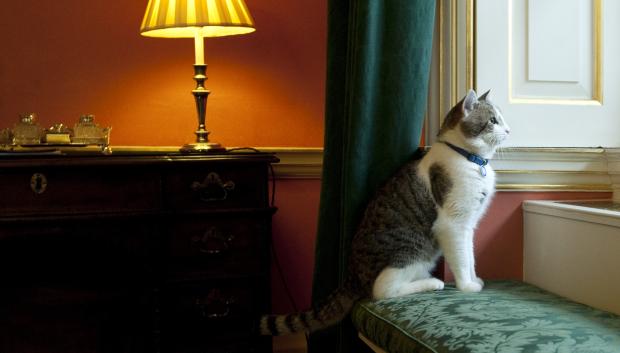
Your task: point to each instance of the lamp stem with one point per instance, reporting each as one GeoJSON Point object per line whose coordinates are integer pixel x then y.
{"type": "Point", "coordinates": [199, 48]}
{"type": "Point", "coordinates": [201, 94]}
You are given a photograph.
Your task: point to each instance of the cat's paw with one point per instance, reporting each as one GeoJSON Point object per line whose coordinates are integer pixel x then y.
{"type": "Point", "coordinates": [435, 284]}
{"type": "Point", "coordinates": [469, 286]}
{"type": "Point", "coordinates": [479, 281]}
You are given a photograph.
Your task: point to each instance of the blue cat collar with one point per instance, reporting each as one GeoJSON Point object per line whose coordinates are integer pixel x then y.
{"type": "Point", "coordinates": [472, 157]}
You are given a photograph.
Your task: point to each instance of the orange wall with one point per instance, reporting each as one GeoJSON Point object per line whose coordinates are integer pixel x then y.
{"type": "Point", "coordinates": [294, 233]}
{"type": "Point", "coordinates": [69, 57]}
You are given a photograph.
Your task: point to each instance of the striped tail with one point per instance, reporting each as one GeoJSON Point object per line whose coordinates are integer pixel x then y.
{"type": "Point", "coordinates": [335, 308]}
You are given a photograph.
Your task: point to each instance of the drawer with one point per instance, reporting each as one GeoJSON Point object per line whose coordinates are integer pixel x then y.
{"type": "Point", "coordinates": [49, 190]}
{"type": "Point", "coordinates": [216, 309]}
{"type": "Point", "coordinates": [218, 186]}
{"type": "Point", "coordinates": [229, 244]}
{"type": "Point", "coordinates": [85, 252]}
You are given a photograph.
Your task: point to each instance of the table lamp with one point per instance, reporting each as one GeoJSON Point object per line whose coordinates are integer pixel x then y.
{"type": "Point", "coordinates": [197, 19]}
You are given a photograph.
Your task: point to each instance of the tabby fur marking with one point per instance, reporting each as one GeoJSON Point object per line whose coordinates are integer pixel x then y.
{"type": "Point", "coordinates": [429, 208]}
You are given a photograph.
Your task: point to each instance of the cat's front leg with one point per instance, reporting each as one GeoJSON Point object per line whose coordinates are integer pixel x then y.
{"type": "Point", "coordinates": [456, 242]}
{"type": "Point", "coordinates": [472, 260]}
{"type": "Point", "coordinates": [485, 201]}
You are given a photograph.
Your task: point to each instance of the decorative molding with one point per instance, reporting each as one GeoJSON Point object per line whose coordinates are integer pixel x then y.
{"type": "Point", "coordinates": [470, 47]}
{"type": "Point", "coordinates": [552, 169]}
{"type": "Point", "coordinates": [453, 65]}
{"type": "Point", "coordinates": [518, 169]}
{"type": "Point", "coordinates": [613, 168]}
{"type": "Point", "coordinates": [297, 163]}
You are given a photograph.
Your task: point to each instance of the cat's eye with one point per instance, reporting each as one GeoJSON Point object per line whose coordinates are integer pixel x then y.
{"type": "Point", "coordinates": [493, 120]}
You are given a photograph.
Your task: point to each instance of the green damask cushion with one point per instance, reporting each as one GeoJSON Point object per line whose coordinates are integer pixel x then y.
{"type": "Point", "coordinates": [506, 317]}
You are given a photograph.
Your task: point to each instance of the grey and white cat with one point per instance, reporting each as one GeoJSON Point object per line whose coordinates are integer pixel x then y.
{"type": "Point", "coordinates": [430, 207]}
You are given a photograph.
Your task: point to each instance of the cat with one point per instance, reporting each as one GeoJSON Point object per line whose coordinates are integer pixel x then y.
{"type": "Point", "coordinates": [430, 207]}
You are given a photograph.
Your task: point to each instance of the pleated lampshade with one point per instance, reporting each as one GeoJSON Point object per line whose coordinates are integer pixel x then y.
{"type": "Point", "coordinates": [189, 18]}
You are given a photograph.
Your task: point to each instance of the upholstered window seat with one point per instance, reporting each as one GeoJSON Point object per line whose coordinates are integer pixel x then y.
{"type": "Point", "coordinates": [506, 317]}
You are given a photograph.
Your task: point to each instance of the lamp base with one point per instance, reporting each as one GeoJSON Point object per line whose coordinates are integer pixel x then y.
{"type": "Point", "coordinates": [203, 147]}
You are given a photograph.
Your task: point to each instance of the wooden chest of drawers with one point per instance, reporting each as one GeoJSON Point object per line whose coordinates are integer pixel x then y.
{"type": "Point", "coordinates": [134, 253]}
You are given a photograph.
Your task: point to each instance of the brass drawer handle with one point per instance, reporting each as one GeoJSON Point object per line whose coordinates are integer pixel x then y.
{"type": "Point", "coordinates": [213, 242]}
{"type": "Point", "coordinates": [212, 188]}
{"type": "Point", "coordinates": [215, 305]}
{"type": "Point", "coordinates": [38, 183]}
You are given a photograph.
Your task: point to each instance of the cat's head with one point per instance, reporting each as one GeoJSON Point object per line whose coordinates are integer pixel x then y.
{"type": "Point", "coordinates": [476, 122]}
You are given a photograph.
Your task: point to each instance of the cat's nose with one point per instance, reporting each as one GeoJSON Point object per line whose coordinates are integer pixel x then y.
{"type": "Point", "coordinates": [507, 131]}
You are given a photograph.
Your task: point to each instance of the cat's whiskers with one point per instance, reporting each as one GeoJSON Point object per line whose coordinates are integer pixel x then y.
{"type": "Point", "coordinates": [499, 153]}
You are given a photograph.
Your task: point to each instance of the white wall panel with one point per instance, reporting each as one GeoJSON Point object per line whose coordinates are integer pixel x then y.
{"type": "Point", "coordinates": [551, 49]}
{"type": "Point", "coordinates": [554, 69]}
{"type": "Point", "coordinates": [553, 28]}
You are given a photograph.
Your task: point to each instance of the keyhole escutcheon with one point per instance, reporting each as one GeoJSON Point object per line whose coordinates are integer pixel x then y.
{"type": "Point", "coordinates": [38, 183]}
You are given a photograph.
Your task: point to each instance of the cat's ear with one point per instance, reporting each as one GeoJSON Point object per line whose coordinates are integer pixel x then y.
{"type": "Point", "coordinates": [484, 96]}
{"type": "Point", "coordinates": [468, 101]}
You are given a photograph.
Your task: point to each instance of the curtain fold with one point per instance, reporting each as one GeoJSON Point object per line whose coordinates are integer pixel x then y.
{"type": "Point", "coordinates": [378, 64]}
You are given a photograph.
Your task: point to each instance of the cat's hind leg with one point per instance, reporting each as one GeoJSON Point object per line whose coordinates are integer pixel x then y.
{"type": "Point", "coordinates": [396, 282]}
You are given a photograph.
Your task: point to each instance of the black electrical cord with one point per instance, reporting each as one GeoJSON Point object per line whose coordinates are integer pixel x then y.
{"type": "Point", "coordinates": [273, 175]}
{"type": "Point", "coordinates": [273, 186]}
{"type": "Point", "coordinates": [276, 261]}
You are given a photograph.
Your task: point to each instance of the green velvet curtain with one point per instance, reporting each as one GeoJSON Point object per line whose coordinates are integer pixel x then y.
{"type": "Point", "coordinates": [379, 54]}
